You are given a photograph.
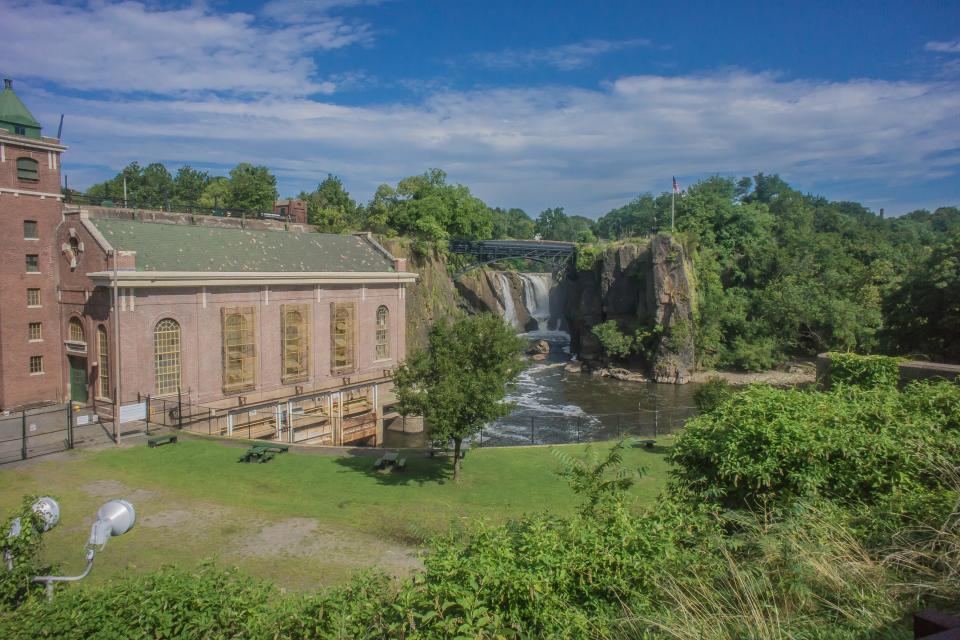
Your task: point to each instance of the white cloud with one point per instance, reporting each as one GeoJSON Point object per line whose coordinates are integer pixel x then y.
{"type": "Point", "coordinates": [586, 149]}
{"type": "Point", "coordinates": [952, 46]}
{"type": "Point", "coordinates": [296, 11]}
{"type": "Point", "coordinates": [130, 47]}
{"type": "Point", "coordinates": [564, 57]}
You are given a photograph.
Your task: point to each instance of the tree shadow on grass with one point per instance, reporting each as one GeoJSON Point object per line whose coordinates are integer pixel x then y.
{"type": "Point", "coordinates": [419, 470]}
{"type": "Point", "coordinates": [658, 449]}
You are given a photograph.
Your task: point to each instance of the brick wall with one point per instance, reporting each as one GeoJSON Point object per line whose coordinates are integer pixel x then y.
{"type": "Point", "coordinates": [23, 200]}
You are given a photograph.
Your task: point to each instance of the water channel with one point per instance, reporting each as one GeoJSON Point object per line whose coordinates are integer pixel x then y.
{"type": "Point", "coordinates": [553, 405]}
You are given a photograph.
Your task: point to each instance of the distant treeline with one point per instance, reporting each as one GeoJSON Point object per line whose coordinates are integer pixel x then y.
{"type": "Point", "coordinates": [779, 273]}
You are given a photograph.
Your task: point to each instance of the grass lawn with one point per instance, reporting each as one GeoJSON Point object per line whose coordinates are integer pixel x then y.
{"type": "Point", "coordinates": [303, 519]}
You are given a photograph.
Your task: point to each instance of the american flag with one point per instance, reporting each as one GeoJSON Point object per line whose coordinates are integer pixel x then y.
{"type": "Point", "coordinates": [676, 186]}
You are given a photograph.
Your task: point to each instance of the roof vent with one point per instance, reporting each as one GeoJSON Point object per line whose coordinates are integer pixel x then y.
{"type": "Point", "coordinates": [7, 83]}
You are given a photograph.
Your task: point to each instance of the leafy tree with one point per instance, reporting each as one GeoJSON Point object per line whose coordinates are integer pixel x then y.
{"type": "Point", "coordinates": [330, 207]}
{"type": "Point", "coordinates": [459, 381]}
{"type": "Point", "coordinates": [512, 223]}
{"type": "Point", "coordinates": [189, 184]}
{"type": "Point", "coordinates": [216, 193]}
{"type": "Point", "coordinates": [252, 188]}
{"type": "Point", "coordinates": [924, 311]}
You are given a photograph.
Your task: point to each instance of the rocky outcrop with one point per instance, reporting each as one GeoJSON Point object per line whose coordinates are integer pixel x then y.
{"type": "Point", "coordinates": [482, 293]}
{"type": "Point", "coordinates": [432, 297]}
{"type": "Point", "coordinates": [641, 286]}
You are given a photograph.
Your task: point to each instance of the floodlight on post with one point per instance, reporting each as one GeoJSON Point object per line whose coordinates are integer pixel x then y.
{"type": "Point", "coordinates": [114, 518]}
{"type": "Point", "coordinates": [49, 513]}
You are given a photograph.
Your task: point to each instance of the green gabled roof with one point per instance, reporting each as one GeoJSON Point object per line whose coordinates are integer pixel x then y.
{"type": "Point", "coordinates": [179, 247]}
{"type": "Point", "coordinates": [13, 110]}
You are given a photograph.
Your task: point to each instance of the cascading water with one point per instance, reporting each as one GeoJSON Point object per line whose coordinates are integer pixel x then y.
{"type": "Point", "coordinates": [506, 294]}
{"type": "Point", "coordinates": [536, 298]}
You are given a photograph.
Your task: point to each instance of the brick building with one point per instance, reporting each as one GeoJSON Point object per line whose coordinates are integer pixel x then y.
{"type": "Point", "coordinates": [290, 334]}
{"type": "Point", "coordinates": [296, 210]}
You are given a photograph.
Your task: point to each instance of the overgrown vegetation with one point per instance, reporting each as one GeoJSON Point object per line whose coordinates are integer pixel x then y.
{"type": "Point", "coordinates": [780, 523]}
{"type": "Point", "coordinates": [869, 372]}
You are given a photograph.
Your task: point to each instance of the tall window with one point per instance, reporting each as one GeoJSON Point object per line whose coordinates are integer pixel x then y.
{"type": "Point", "coordinates": [103, 362]}
{"type": "Point", "coordinates": [28, 169]}
{"type": "Point", "coordinates": [33, 297]}
{"type": "Point", "coordinates": [36, 331]}
{"type": "Point", "coordinates": [30, 230]}
{"type": "Point", "coordinates": [239, 349]}
{"type": "Point", "coordinates": [166, 354]}
{"type": "Point", "coordinates": [342, 338]}
{"type": "Point", "coordinates": [296, 342]}
{"type": "Point", "coordinates": [33, 263]}
{"type": "Point", "coordinates": [383, 332]}
{"type": "Point", "coordinates": [36, 364]}
{"type": "Point", "coordinates": [76, 331]}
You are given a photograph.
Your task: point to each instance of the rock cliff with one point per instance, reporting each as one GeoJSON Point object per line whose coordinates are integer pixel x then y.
{"type": "Point", "coordinates": [648, 290]}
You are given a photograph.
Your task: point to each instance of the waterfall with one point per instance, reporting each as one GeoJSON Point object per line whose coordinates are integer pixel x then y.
{"type": "Point", "coordinates": [506, 294]}
{"type": "Point", "coordinates": [536, 297]}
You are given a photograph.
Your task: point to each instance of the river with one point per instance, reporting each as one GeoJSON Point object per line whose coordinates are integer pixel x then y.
{"type": "Point", "coordinates": [553, 405]}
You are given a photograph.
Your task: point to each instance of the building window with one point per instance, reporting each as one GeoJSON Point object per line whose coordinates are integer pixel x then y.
{"type": "Point", "coordinates": [33, 297]}
{"type": "Point", "coordinates": [103, 362]}
{"type": "Point", "coordinates": [33, 263]}
{"type": "Point", "coordinates": [239, 349]}
{"type": "Point", "coordinates": [30, 230]}
{"type": "Point", "coordinates": [28, 169]}
{"type": "Point", "coordinates": [166, 353]}
{"type": "Point", "coordinates": [76, 331]}
{"type": "Point", "coordinates": [383, 332]}
{"type": "Point", "coordinates": [36, 331]}
{"type": "Point", "coordinates": [296, 342]}
{"type": "Point", "coordinates": [36, 364]}
{"type": "Point", "coordinates": [18, 130]}
{"type": "Point", "coordinates": [342, 338]}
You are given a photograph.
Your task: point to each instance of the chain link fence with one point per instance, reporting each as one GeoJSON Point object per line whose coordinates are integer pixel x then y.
{"type": "Point", "coordinates": [538, 428]}
{"type": "Point", "coordinates": [44, 430]}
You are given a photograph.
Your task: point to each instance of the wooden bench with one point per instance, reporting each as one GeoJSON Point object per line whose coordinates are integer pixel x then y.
{"type": "Point", "coordinates": [267, 456]}
{"type": "Point", "coordinates": [160, 440]}
{"type": "Point", "coordinates": [380, 463]}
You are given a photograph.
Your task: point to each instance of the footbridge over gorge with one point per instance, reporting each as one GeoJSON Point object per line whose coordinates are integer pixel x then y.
{"type": "Point", "coordinates": [551, 253]}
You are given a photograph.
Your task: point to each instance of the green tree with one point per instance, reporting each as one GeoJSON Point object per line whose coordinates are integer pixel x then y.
{"type": "Point", "coordinates": [252, 188]}
{"type": "Point", "coordinates": [189, 184]}
{"type": "Point", "coordinates": [330, 207]}
{"type": "Point", "coordinates": [216, 193]}
{"type": "Point", "coordinates": [512, 223]}
{"type": "Point", "coordinates": [458, 383]}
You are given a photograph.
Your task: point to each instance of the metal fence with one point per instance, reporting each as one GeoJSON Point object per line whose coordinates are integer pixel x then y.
{"type": "Point", "coordinates": [44, 430]}
{"type": "Point", "coordinates": [537, 429]}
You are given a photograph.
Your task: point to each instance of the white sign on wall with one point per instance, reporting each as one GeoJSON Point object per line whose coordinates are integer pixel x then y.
{"type": "Point", "coordinates": [133, 412]}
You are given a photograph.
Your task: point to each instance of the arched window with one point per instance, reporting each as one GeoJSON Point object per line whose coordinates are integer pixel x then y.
{"type": "Point", "coordinates": [28, 169]}
{"type": "Point", "coordinates": [239, 350]}
{"type": "Point", "coordinates": [103, 362]}
{"type": "Point", "coordinates": [166, 353]}
{"type": "Point", "coordinates": [76, 331]}
{"type": "Point", "coordinates": [296, 342]}
{"type": "Point", "coordinates": [383, 332]}
{"type": "Point", "coordinates": [342, 337]}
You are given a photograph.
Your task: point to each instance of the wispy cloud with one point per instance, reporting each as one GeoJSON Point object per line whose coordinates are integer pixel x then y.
{"type": "Point", "coordinates": [565, 57]}
{"type": "Point", "coordinates": [131, 47]}
{"type": "Point", "coordinates": [949, 46]}
{"type": "Point", "coordinates": [538, 147]}
{"type": "Point", "coordinates": [298, 11]}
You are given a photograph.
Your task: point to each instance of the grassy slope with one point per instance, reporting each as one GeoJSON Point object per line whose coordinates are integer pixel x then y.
{"type": "Point", "coordinates": [360, 515]}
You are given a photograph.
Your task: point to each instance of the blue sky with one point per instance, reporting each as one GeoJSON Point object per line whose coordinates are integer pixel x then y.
{"type": "Point", "coordinates": [531, 104]}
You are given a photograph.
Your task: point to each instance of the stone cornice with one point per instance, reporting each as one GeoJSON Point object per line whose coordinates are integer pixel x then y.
{"type": "Point", "coordinates": [166, 279]}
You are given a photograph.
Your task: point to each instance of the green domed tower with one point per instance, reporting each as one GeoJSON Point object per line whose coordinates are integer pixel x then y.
{"type": "Point", "coordinates": [14, 116]}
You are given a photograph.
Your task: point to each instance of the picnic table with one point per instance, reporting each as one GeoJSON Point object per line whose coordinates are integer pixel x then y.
{"type": "Point", "coordinates": [263, 452]}
{"type": "Point", "coordinates": [390, 459]}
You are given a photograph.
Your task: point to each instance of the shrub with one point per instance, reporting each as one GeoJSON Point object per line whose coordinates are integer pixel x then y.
{"type": "Point", "coordinates": [614, 342]}
{"type": "Point", "coordinates": [712, 394]}
{"type": "Point", "coordinates": [587, 257]}
{"type": "Point", "coordinates": [24, 550]}
{"type": "Point", "coordinates": [853, 445]}
{"type": "Point", "coordinates": [868, 372]}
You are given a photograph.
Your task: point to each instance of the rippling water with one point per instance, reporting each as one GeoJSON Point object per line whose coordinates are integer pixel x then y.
{"type": "Point", "coordinates": [552, 405]}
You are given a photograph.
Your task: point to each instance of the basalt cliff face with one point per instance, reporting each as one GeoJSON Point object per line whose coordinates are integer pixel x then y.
{"type": "Point", "coordinates": [648, 290]}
